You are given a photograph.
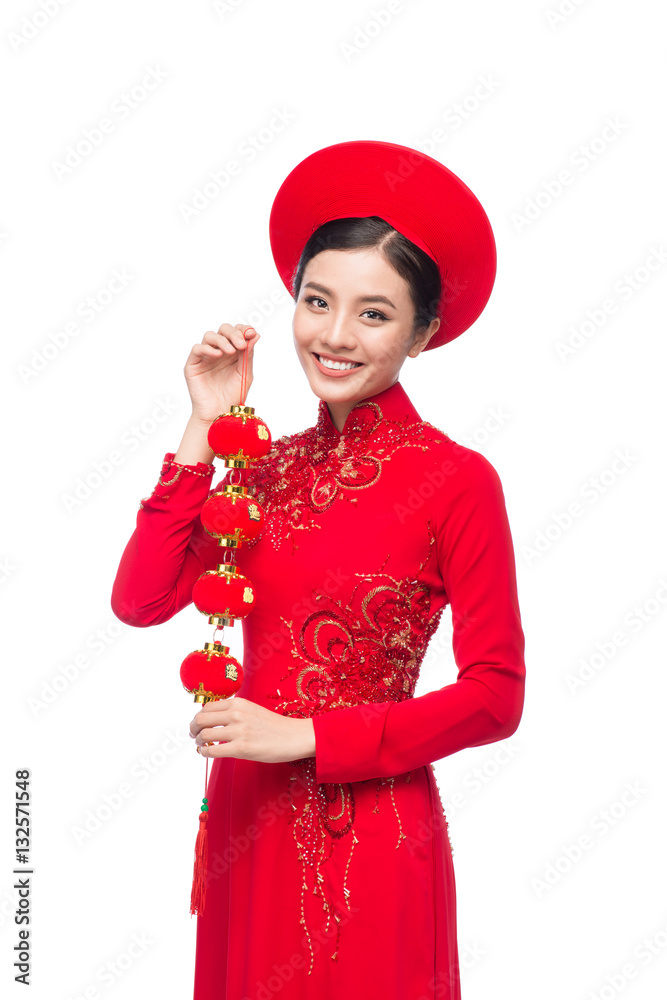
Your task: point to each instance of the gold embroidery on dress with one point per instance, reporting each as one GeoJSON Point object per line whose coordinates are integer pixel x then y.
{"type": "Point", "coordinates": [361, 652]}
{"type": "Point", "coordinates": [207, 470]}
{"type": "Point", "coordinates": [303, 474]}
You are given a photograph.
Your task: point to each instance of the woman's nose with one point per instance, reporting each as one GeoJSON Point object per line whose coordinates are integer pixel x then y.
{"type": "Point", "coordinates": [339, 332]}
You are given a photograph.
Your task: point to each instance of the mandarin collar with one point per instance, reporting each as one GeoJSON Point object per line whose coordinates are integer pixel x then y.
{"type": "Point", "coordinates": [392, 404]}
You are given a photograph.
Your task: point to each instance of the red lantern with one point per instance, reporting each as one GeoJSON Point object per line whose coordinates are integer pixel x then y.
{"type": "Point", "coordinates": [239, 437]}
{"type": "Point", "coordinates": [224, 594]}
{"type": "Point", "coordinates": [232, 515]}
{"type": "Point", "coordinates": [211, 673]}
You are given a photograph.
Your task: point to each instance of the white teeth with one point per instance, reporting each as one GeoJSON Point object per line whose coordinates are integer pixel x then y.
{"type": "Point", "coordinates": [337, 365]}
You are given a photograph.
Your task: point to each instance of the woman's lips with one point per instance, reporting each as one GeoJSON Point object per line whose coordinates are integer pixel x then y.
{"type": "Point", "coordinates": [335, 372]}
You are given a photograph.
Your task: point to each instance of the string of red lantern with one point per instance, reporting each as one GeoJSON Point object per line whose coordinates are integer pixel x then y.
{"type": "Point", "coordinates": [232, 515]}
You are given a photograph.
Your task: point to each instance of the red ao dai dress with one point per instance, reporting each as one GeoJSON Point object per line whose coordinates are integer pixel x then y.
{"type": "Point", "coordinates": [331, 878]}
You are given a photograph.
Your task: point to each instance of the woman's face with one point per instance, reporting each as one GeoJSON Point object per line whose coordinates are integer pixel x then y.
{"type": "Point", "coordinates": [353, 306]}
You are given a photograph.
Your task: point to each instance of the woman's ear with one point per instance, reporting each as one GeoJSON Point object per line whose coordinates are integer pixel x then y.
{"type": "Point", "coordinates": [422, 338]}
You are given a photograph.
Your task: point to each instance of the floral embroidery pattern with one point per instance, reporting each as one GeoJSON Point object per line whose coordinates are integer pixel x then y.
{"type": "Point", "coordinates": [363, 651]}
{"type": "Point", "coordinates": [305, 473]}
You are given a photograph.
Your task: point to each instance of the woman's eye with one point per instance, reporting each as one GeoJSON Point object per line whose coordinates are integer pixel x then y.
{"type": "Point", "coordinates": [315, 299]}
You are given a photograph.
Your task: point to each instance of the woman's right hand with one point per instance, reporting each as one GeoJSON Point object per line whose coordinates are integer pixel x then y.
{"type": "Point", "coordinates": [213, 370]}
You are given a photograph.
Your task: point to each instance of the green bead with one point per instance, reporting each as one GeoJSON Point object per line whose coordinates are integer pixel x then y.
{"type": "Point", "coordinates": [204, 809]}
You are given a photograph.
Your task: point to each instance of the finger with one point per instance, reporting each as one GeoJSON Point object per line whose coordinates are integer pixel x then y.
{"type": "Point", "coordinates": [224, 344]}
{"type": "Point", "coordinates": [219, 706]}
{"type": "Point", "coordinates": [200, 721]}
{"type": "Point", "coordinates": [233, 335]}
{"type": "Point", "coordinates": [214, 704]}
{"type": "Point", "coordinates": [203, 718]}
{"type": "Point", "coordinates": [196, 727]}
{"type": "Point", "coordinates": [212, 713]}
{"type": "Point", "coordinates": [205, 352]}
{"type": "Point", "coordinates": [246, 336]}
{"type": "Point", "coordinates": [219, 341]}
{"type": "Point", "coordinates": [216, 750]}
{"type": "Point", "coordinates": [249, 333]}
{"type": "Point", "coordinates": [251, 338]}
{"type": "Point", "coordinates": [212, 735]}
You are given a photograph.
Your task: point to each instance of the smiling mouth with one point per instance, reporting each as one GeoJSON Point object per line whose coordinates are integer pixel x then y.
{"type": "Point", "coordinates": [332, 365]}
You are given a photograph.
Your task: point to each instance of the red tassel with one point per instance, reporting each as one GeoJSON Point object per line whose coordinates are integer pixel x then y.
{"type": "Point", "coordinates": [198, 896]}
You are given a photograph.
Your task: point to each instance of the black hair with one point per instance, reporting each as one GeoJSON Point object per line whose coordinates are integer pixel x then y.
{"type": "Point", "coordinates": [409, 260]}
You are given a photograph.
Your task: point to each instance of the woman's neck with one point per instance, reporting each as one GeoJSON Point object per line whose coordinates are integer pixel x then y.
{"type": "Point", "coordinates": [339, 413]}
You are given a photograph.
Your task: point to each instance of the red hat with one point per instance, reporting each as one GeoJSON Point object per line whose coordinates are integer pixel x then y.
{"type": "Point", "coordinates": [411, 191]}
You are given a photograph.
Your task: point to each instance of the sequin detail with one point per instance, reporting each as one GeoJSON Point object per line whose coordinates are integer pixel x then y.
{"type": "Point", "coordinates": [363, 651]}
{"type": "Point", "coordinates": [305, 473]}
{"type": "Point", "coordinates": [201, 469]}
{"type": "Point", "coordinates": [366, 649]}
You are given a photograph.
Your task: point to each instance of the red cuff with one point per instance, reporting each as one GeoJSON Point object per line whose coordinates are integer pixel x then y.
{"type": "Point", "coordinates": [347, 742]}
{"type": "Point", "coordinates": [173, 473]}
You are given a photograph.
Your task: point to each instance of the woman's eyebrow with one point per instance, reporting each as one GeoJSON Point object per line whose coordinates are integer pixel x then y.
{"type": "Point", "coordinates": [362, 298]}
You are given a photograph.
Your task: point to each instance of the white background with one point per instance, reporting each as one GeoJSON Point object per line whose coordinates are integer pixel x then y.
{"type": "Point", "coordinates": [519, 94]}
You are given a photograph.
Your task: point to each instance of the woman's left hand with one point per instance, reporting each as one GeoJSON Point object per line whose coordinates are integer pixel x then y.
{"type": "Point", "coordinates": [251, 732]}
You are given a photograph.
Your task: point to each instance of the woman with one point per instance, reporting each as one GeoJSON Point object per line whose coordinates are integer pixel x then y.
{"type": "Point", "coordinates": [330, 869]}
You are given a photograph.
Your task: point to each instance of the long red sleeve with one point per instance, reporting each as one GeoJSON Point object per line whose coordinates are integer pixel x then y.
{"type": "Point", "coordinates": [476, 559]}
{"type": "Point", "coordinates": [167, 550]}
